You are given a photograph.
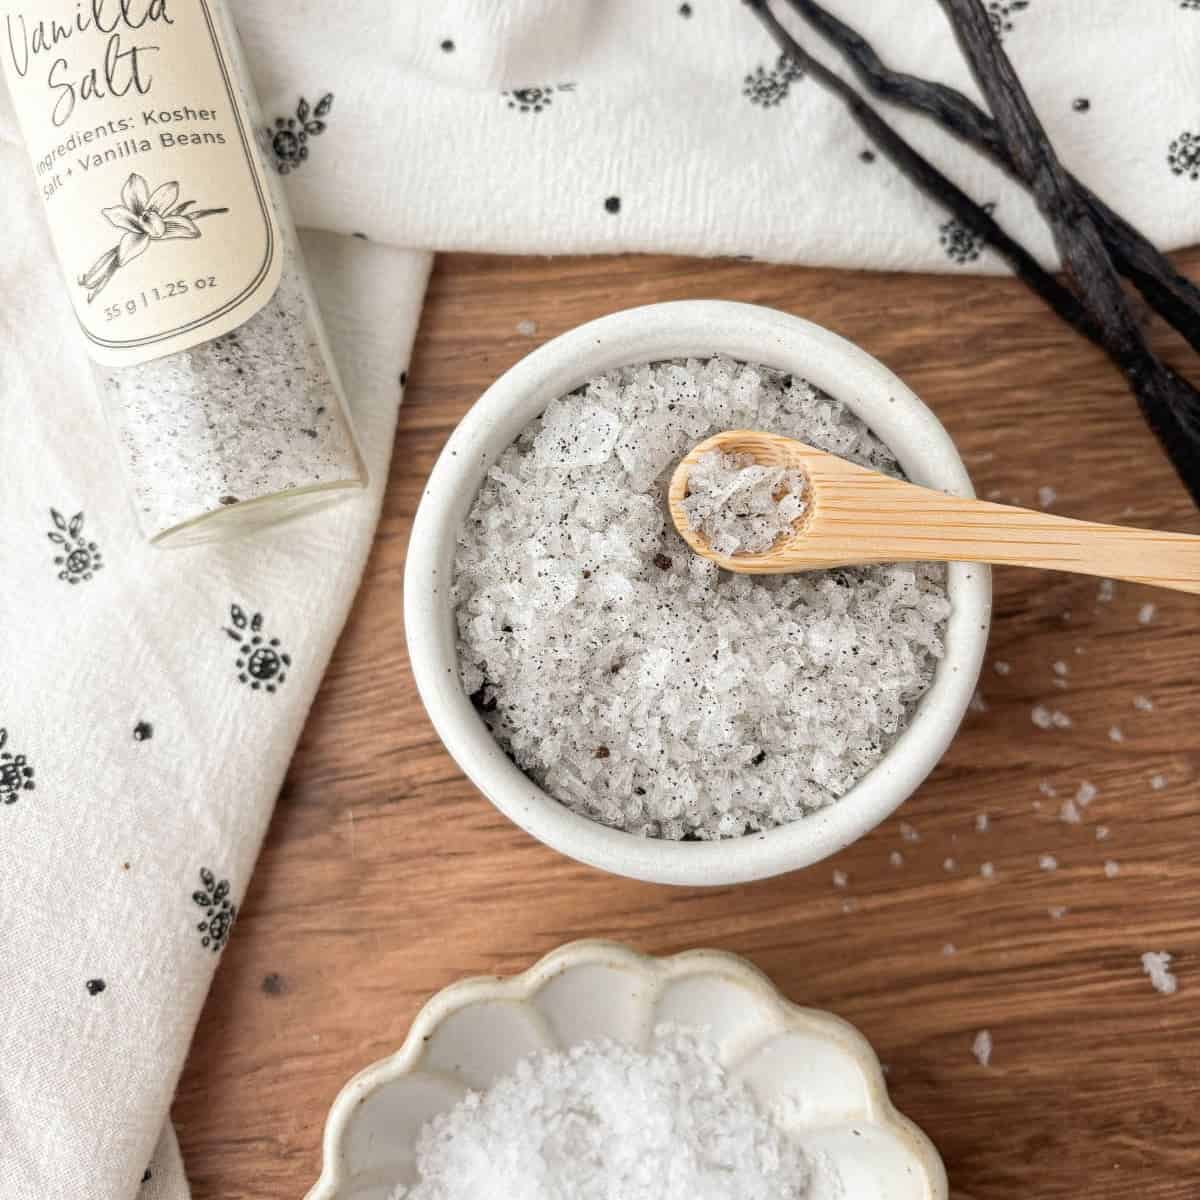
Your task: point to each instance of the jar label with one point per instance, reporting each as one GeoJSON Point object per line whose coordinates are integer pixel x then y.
{"type": "Point", "coordinates": [144, 153]}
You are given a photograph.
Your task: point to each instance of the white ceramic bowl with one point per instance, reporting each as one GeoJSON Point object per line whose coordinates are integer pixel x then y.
{"type": "Point", "coordinates": [837, 1104]}
{"type": "Point", "coordinates": [638, 335]}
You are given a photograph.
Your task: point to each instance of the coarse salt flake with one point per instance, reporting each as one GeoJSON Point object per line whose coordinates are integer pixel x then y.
{"type": "Point", "coordinates": [981, 1047]}
{"type": "Point", "coordinates": [1156, 963]}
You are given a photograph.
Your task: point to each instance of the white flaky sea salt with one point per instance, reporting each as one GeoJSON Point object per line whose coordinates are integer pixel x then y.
{"type": "Point", "coordinates": [1046, 496]}
{"type": "Point", "coordinates": [1045, 718]}
{"type": "Point", "coordinates": [840, 879]}
{"type": "Point", "coordinates": [950, 864]}
{"type": "Point", "coordinates": [1102, 833]}
{"type": "Point", "coordinates": [1106, 590]}
{"type": "Point", "coordinates": [1115, 734]}
{"type": "Point", "coordinates": [1047, 788]}
{"type": "Point", "coordinates": [1048, 862]}
{"type": "Point", "coordinates": [981, 1047]}
{"type": "Point", "coordinates": [1112, 868]}
{"type": "Point", "coordinates": [1061, 668]}
{"type": "Point", "coordinates": [602, 1120]}
{"type": "Point", "coordinates": [1158, 782]}
{"type": "Point", "coordinates": [1147, 613]}
{"type": "Point", "coordinates": [1069, 812]}
{"type": "Point", "coordinates": [896, 858]}
{"type": "Point", "coordinates": [1156, 963]}
{"type": "Point", "coordinates": [739, 506]}
{"type": "Point", "coordinates": [1086, 793]}
{"type": "Point", "coordinates": [982, 823]}
{"type": "Point", "coordinates": [949, 949]}
{"type": "Point", "coordinates": [1143, 703]}
{"type": "Point", "coordinates": [1057, 911]}
{"type": "Point", "coordinates": [908, 833]}
{"type": "Point", "coordinates": [527, 328]}
{"type": "Point", "coordinates": [1001, 667]}
{"type": "Point", "coordinates": [987, 870]}
{"type": "Point", "coordinates": [633, 680]}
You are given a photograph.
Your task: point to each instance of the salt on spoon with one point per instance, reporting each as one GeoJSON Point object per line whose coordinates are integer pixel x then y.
{"type": "Point", "coordinates": [852, 515]}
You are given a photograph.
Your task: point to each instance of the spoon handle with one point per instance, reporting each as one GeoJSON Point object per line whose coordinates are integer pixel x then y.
{"type": "Point", "coordinates": [864, 517]}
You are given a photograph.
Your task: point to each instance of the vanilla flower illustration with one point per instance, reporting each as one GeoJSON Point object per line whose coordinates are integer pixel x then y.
{"type": "Point", "coordinates": [143, 217]}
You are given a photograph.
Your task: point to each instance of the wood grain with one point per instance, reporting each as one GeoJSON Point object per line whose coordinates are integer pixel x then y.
{"type": "Point", "coordinates": [386, 876]}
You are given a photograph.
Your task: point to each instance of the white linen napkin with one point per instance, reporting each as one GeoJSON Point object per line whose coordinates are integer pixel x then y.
{"type": "Point", "coordinates": [533, 125]}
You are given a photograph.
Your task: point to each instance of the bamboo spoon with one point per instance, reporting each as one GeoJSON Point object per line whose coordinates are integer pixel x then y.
{"type": "Point", "coordinates": [856, 515]}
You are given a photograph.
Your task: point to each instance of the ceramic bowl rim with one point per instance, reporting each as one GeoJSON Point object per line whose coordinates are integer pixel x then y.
{"type": "Point", "coordinates": [654, 332]}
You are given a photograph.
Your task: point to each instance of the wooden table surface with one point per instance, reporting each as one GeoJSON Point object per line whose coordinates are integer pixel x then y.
{"type": "Point", "coordinates": [386, 876]}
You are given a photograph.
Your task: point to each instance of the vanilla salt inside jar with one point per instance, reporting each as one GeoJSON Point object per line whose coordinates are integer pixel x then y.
{"type": "Point", "coordinates": [622, 698]}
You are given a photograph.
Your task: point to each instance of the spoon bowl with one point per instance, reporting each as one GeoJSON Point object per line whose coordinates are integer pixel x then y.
{"type": "Point", "coordinates": [854, 515]}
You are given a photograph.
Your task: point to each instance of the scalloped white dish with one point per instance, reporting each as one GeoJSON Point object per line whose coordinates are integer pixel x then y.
{"type": "Point", "coordinates": [474, 1031]}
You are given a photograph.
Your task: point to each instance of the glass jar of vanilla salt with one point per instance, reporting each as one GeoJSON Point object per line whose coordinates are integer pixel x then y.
{"type": "Point", "coordinates": [181, 263]}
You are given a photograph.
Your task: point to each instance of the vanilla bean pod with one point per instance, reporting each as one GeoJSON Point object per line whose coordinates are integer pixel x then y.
{"type": "Point", "coordinates": [931, 181]}
{"type": "Point", "coordinates": [1169, 403]}
{"type": "Point", "coordinates": [1172, 295]}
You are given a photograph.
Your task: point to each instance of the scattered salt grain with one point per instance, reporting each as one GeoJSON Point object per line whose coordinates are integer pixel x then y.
{"type": "Point", "coordinates": [724, 704]}
{"type": "Point", "coordinates": [981, 822]}
{"type": "Point", "coordinates": [1061, 684]}
{"type": "Point", "coordinates": [1086, 793]}
{"type": "Point", "coordinates": [527, 328]}
{"type": "Point", "coordinates": [1115, 734]}
{"type": "Point", "coordinates": [1001, 667]}
{"type": "Point", "coordinates": [949, 949]}
{"type": "Point", "coordinates": [995, 493]}
{"type": "Point", "coordinates": [1036, 806]}
{"type": "Point", "coordinates": [908, 833]}
{"type": "Point", "coordinates": [1058, 911]}
{"type": "Point", "coordinates": [950, 864]}
{"type": "Point", "coordinates": [740, 506]}
{"type": "Point", "coordinates": [1069, 812]}
{"type": "Point", "coordinates": [1158, 782]}
{"type": "Point", "coordinates": [1061, 668]}
{"type": "Point", "coordinates": [1143, 703]}
{"type": "Point", "coordinates": [981, 1047]}
{"type": "Point", "coordinates": [1048, 862]}
{"type": "Point", "coordinates": [1112, 869]}
{"type": "Point", "coordinates": [840, 879]}
{"type": "Point", "coordinates": [1106, 591]}
{"type": "Point", "coordinates": [1043, 718]}
{"type": "Point", "coordinates": [1047, 788]}
{"type": "Point", "coordinates": [1155, 964]}
{"type": "Point", "coordinates": [602, 1119]}
{"type": "Point", "coordinates": [987, 870]}
{"type": "Point", "coordinates": [1046, 496]}
{"type": "Point", "coordinates": [848, 906]}
{"type": "Point", "coordinates": [1102, 832]}
{"type": "Point", "coordinates": [1146, 613]}
{"type": "Point", "coordinates": [1060, 720]}
{"type": "Point", "coordinates": [978, 703]}
{"type": "Point", "coordinates": [896, 858]}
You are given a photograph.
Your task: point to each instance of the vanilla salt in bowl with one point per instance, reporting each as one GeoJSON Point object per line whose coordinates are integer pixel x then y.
{"type": "Point", "coordinates": [827, 373]}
